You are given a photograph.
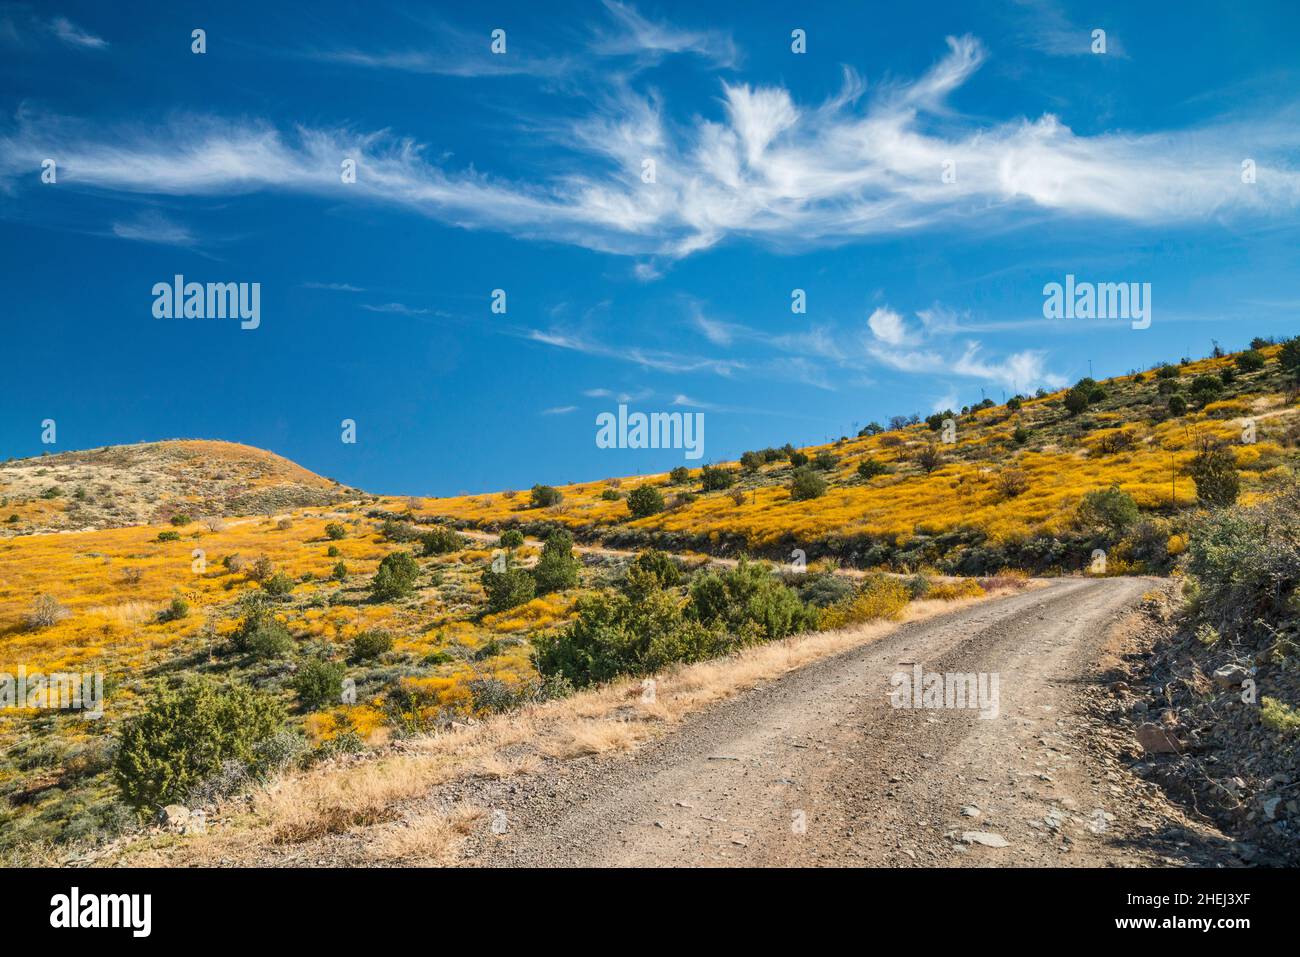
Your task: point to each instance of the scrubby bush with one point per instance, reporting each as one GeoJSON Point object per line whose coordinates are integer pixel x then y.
{"type": "Point", "coordinates": [714, 478]}
{"type": "Point", "coordinates": [1177, 405]}
{"type": "Point", "coordinates": [1214, 470]}
{"type": "Point", "coordinates": [610, 494]}
{"type": "Point", "coordinates": [1011, 482]}
{"type": "Point", "coordinates": [185, 735]}
{"type": "Point", "coordinates": [797, 459]}
{"type": "Point", "coordinates": [661, 566]}
{"type": "Point", "coordinates": [395, 578]}
{"type": "Point", "coordinates": [1288, 357]}
{"type": "Point", "coordinates": [929, 457]}
{"type": "Point", "coordinates": [877, 597]}
{"type": "Point", "coordinates": [334, 531]}
{"type": "Point", "coordinates": [440, 541]}
{"type": "Point", "coordinates": [511, 538]}
{"type": "Point", "coordinates": [557, 568]}
{"type": "Point", "coordinates": [748, 601]}
{"type": "Point", "coordinates": [169, 536]}
{"type": "Point", "coordinates": [645, 500]}
{"type": "Point", "coordinates": [824, 460]}
{"type": "Point", "coordinates": [260, 634]}
{"type": "Point", "coordinates": [824, 589]}
{"type": "Point", "coordinates": [507, 588]}
{"type": "Point", "coordinates": [1244, 564]}
{"type": "Point", "coordinates": [371, 644]}
{"type": "Point", "coordinates": [181, 519]}
{"type": "Point", "coordinates": [45, 611]}
{"type": "Point", "coordinates": [1111, 509]}
{"type": "Point", "coordinates": [806, 484]}
{"type": "Point", "coordinates": [319, 682]}
{"type": "Point", "coordinates": [278, 585]}
{"type": "Point", "coordinates": [261, 569]}
{"type": "Point", "coordinates": [176, 609]}
{"type": "Point", "coordinates": [869, 468]}
{"type": "Point", "coordinates": [339, 572]}
{"type": "Point", "coordinates": [680, 475]}
{"type": "Point", "coordinates": [544, 496]}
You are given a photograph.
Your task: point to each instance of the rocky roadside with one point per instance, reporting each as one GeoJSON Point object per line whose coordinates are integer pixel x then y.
{"type": "Point", "coordinates": [1184, 713]}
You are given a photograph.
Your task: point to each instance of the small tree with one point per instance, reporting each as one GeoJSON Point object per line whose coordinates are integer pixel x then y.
{"type": "Point", "coordinates": [439, 541]}
{"type": "Point", "coordinates": [371, 644]}
{"type": "Point", "coordinates": [1250, 361]}
{"type": "Point", "coordinates": [869, 468]}
{"type": "Point", "coordinates": [557, 568]}
{"type": "Point", "coordinates": [1012, 482]}
{"type": "Point", "coordinates": [715, 478]}
{"type": "Point", "coordinates": [1112, 509]}
{"type": "Point", "coordinates": [395, 578]}
{"type": "Point", "coordinates": [929, 457]}
{"type": "Point", "coordinates": [508, 588]}
{"type": "Point", "coordinates": [334, 531]}
{"type": "Point", "coordinates": [1288, 357]}
{"type": "Point", "coordinates": [1076, 400]}
{"type": "Point", "coordinates": [544, 496]}
{"type": "Point", "coordinates": [645, 500]}
{"type": "Point", "coordinates": [680, 475]}
{"type": "Point", "coordinates": [319, 682]}
{"type": "Point", "coordinates": [806, 483]}
{"type": "Point", "coordinates": [1214, 470]}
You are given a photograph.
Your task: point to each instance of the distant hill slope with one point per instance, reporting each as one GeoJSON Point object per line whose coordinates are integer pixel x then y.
{"type": "Point", "coordinates": [124, 485]}
{"type": "Point", "coordinates": [1003, 492]}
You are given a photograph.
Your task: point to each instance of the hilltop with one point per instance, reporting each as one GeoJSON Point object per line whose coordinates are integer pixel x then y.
{"type": "Point", "coordinates": [126, 485]}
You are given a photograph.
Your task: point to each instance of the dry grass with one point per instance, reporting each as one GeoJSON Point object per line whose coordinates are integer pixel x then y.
{"type": "Point", "coordinates": [338, 798]}
{"type": "Point", "coordinates": [424, 840]}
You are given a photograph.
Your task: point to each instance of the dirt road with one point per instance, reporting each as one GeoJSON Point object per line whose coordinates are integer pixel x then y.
{"type": "Point", "coordinates": [818, 767]}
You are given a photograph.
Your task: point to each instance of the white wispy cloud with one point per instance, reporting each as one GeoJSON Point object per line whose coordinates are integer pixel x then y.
{"type": "Point", "coordinates": [928, 350]}
{"type": "Point", "coordinates": [151, 226]}
{"type": "Point", "coordinates": [767, 168]}
{"type": "Point", "coordinates": [333, 286]}
{"type": "Point", "coordinates": [560, 410]}
{"type": "Point", "coordinates": [70, 33]}
{"type": "Point", "coordinates": [637, 35]}
{"type": "Point", "coordinates": [397, 308]}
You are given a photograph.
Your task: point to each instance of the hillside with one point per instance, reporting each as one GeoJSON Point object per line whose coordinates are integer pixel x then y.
{"type": "Point", "coordinates": [1005, 493]}
{"type": "Point", "coordinates": [433, 630]}
{"type": "Point", "coordinates": [124, 485]}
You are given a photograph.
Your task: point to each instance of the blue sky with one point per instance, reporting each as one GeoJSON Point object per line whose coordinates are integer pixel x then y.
{"type": "Point", "coordinates": [523, 171]}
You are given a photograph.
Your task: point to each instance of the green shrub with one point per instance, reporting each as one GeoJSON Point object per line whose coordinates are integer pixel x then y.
{"type": "Point", "coordinates": [877, 597]}
{"type": "Point", "coordinates": [680, 475]}
{"type": "Point", "coordinates": [824, 589]}
{"type": "Point", "coordinates": [260, 634]}
{"type": "Point", "coordinates": [371, 644]}
{"type": "Point", "coordinates": [610, 494]}
{"type": "Point", "coordinates": [508, 588]}
{"type": "Point", "coordinates": [715, 478]}
{"type": "Point", "coordinates": [869, 468]}
{"type": "Point", "coordinates": [748, 602]}
{"type": "Point", "coordinates": [1245, 566]}
{"type": "Point", "coordinates": [544, 496]}
{"type": "Point", "coordinates": [278, 585]}
{"type": "Point", "coordinates": [169, 536]}
{"type": "Point", "coordinates": [645, 500]}
{"type": "Point", "coordinates": [806, 483]}
{"type": "Point", "coordinates": [176, 609]}
{"type": "Point", "coordinates": [661, 566]}
{"type": "Point", "coordinates": [334, 531]}
{"type": "Point", "coordinates": [332, 552]}
{"type": "Point", "coordinates": [1177, 405]}
{"type": "Point", "coordinates": [186, 735]}
{"type": "Point", "coordinates": [319, 682]}
{"type": "Point", "coordinates": [395, 578]}
{"type": "Point", "coordinates": [181, 519]}
{"type": "Point", "coordinates": [1214, 470]}
{"type": "Point", "coordinates": [1288, 357]}
{"type": "Point", "coordinates": [825, 460]}
{"type": "Point", "coordinates": [1111, 509]}
{"type": "Point", "coordinates": [511, 538]}
{"type": "Point", "coordinates": [440, 541]}
{"type": "Point", "coordinates": [557, 568]}
{"type": "Point", "coordinates": [339, 572]}
{"type": "Point", "coordinates": [797, 459]}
